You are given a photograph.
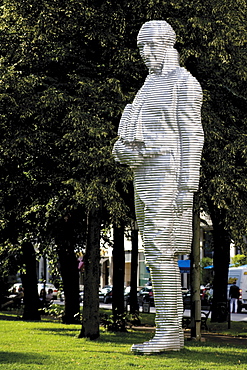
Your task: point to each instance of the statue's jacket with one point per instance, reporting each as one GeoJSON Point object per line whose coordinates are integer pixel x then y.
{"type": "Point", "coordinates": [164, 118]}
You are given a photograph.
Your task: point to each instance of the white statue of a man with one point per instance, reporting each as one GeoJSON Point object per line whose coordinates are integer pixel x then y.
{"type": "Point", "coordinates": [161, 139]}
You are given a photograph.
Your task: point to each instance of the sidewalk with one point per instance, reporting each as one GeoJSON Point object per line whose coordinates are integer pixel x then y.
{"type": "Point", "coordinates": [234, 316]}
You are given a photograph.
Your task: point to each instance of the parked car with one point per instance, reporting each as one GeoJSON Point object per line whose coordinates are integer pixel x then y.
{"type": "Point", "coordinates": [105, 294]}
{"type": "Point", "coordinates": [145, 295]}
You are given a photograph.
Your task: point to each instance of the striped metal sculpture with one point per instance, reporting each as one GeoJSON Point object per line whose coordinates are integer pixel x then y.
{"type": "Point", "coordinates": [161, 139]}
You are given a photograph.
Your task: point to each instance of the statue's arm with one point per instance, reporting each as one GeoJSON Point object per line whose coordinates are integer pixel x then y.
{"type": "Point", "coordinates": [123, 124]}
{"type": "Point", "coordinates": [191, 133]}
{"type": "Point", "coordinates": [125, 151]}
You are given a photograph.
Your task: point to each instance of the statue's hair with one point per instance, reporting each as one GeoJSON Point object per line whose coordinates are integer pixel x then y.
{"type": "Point", "coordinates": [164, 30]}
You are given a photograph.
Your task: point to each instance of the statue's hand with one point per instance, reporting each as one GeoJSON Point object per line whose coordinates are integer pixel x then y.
{"type": "Point", "coordinates": [127, 154]}
{"type": "Point", "coordinates": [184, 200]}
{"type": "Point", "coordinates": [115, 152]}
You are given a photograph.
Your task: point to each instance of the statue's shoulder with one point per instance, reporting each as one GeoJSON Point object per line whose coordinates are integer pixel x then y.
{"type": "Point", "coordinates": [186, 79]}
{"type": "Point", "coordinates": [185, 75]}
{"type": "Point", "coordinates": [179, 77]}
{"type": "Point", "coordinates": [177, 74]}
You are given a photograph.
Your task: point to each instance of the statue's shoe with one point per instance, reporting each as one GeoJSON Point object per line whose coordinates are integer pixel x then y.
{"type": "Point", "coordinates": [157, 345]}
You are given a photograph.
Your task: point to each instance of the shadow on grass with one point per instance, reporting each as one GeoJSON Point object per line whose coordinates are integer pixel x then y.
{"type": "Point", "coordinates": [208, 354]}
{"type": "Point", "coordinates": [20, 357]}
{"type": "Point", "coordinates": [105, 337]}
{"type": "Point", "coordinates": [9, 317]}
{"type": "Point", "coordinates": [212, 354]}
{"type": "Point", "coordinates": [139, 336]}
{"type": "Point", "coordinates": [64, 331]}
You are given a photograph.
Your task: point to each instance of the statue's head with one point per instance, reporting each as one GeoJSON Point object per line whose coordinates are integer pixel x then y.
{"type": "Point", "coordinates": [160, 29]}
{"type": "Point", "coordinates": [153, 40]}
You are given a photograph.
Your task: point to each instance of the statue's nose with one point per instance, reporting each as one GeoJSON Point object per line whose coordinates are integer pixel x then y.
{"type": "Point", "coordinates": [146, 49]}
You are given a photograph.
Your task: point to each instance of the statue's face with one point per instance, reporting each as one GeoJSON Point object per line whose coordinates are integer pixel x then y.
{"type": "Point", "coordinates": [152, 48]}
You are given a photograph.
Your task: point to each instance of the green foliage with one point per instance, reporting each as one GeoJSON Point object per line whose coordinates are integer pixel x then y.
{"type": "Point", "coordinates": [206, 275]}
{"type": "Point", "coordinates": [55, 311]}
{"type": "Point", "coordinates": [206, 261]}
{"type": "Point", "coordinates": [61, 105]}
{"type": "Point", "coordinates": [239, 260]}
{"type": "Point", "coordinates": [10, 259]}
{"type": "Point", "coordinates": [137, 319]}
{"type": "Point", "coordinates": [113, 322]}
{"type": "Point", "coordinates": [120, 322]}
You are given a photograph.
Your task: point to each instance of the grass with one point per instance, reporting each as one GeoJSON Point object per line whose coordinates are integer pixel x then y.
{"type": "Point", "coordinates": [51, 345]}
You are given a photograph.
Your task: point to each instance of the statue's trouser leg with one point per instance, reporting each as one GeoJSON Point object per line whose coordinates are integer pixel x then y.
{"type": "Point", "coordinates": [166, 282]}
{"type": "Point", "coordinates": [155, 190]}
{"type": "Point", "coordinates": [168, 303]}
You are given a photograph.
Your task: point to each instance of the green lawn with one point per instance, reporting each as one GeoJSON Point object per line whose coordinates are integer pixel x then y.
{"type": "Point", "coordinates": [51, 346]}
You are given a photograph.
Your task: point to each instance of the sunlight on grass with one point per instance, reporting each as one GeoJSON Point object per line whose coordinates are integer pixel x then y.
{"type": "Point", "coordinates": [55, 346]}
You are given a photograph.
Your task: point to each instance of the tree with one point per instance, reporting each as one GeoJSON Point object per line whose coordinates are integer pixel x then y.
{"type": "Point", "coordinates": [90, 321]}
{"type": "Point", "coordinates": [134, 269]}
{"type": "Point", "coordinates": [65, 247]}
{"type": "Point", "coordinates": [29, 281]}
{"type": "Point", "coordinates": [224, 160]}
{"type": "Point", "coordinates": [118, 278]}
{"type": "Point", "coordinates": [57, 127]}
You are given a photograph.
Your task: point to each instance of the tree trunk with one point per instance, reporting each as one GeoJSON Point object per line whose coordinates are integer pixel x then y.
{"type": "Point", "coordinates": [195, 273]}
{"type": "Point", "coordinates": [118, 279]}
{"type": "Point", "coordinates": [90, 322]}
{"type": "Point", "coordinates": [29, 282]}
{"type": "Point", "coordinates": [221, 264]}
{"type": "Point", "coordinates": [70, 276]}
{"type": "Point", "coordinates": [134, 266]}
